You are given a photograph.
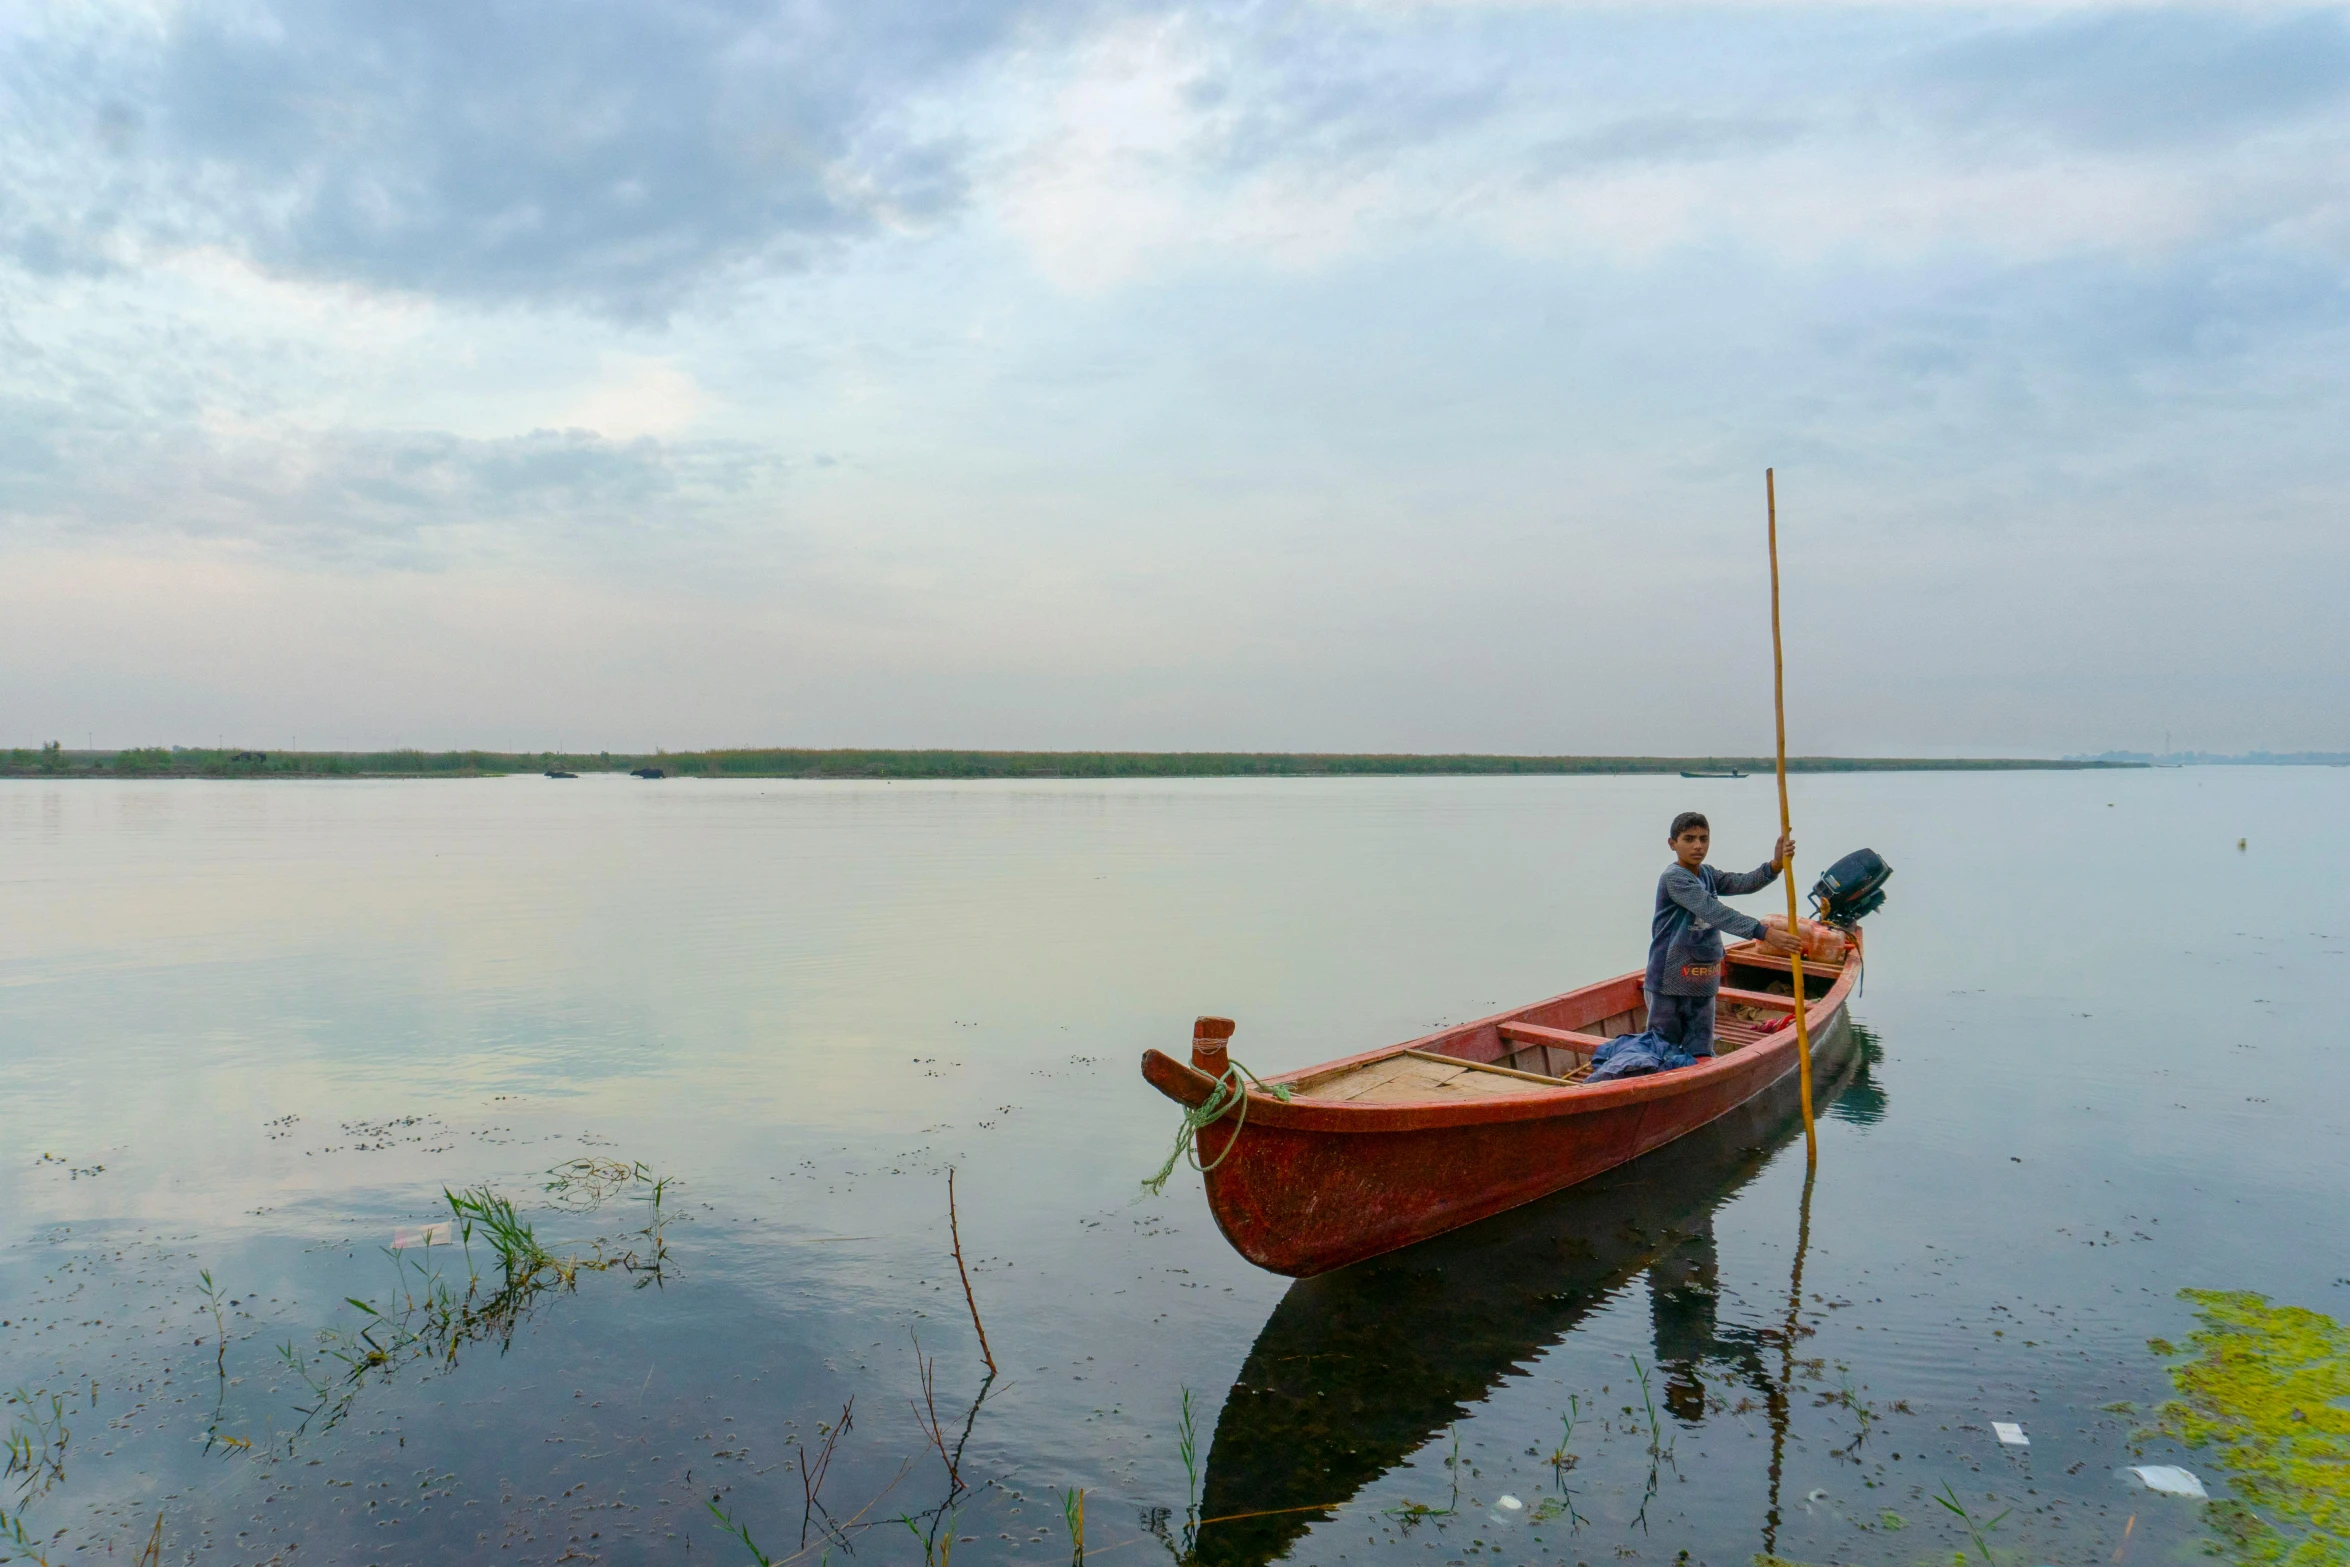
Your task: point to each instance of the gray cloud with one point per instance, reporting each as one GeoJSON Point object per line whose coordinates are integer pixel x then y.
{"type": "Point", "coordinates": [376, 498]}
{"type": "Point", "coordinates": [498, 151]}
{"type": "Point", "coordinates": [1641, 139]}
{"type": "Point", "coordinates": [625, 157]}
{"type": "Point", "coordinates": [2141, 79]}
{"type": "Point", "coordinates": [1315, 85]}
{"type": "Point", "coordinates": [1603, 91]}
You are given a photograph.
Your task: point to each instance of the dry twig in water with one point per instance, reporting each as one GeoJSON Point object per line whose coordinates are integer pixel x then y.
{"type": "Point", "coordinates": [955, 1232]}
{"type": "Point", "coordinates": [812, 1475]}
{"type": "Point", "coordinates": [926, 1416]}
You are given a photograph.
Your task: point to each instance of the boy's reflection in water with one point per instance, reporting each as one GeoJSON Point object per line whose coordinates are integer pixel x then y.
{"type": "Point", "coordinates": [1684, 1295]}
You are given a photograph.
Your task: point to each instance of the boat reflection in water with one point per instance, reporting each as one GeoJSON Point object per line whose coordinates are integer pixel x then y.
{"type": "Point", "coordinates": [1358, 1369]}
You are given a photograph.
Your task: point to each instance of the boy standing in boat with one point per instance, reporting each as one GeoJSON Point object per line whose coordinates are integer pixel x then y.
{"type": "Point", "coordinates": [1685, 938]}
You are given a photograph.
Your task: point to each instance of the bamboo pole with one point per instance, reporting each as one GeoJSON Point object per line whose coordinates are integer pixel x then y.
{"type": "Point", "coordinates": [1811, 1136]}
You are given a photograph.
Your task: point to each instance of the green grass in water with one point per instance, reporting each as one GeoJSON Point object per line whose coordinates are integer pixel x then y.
{"type": "Point", "coordinates": [2263, 1394]}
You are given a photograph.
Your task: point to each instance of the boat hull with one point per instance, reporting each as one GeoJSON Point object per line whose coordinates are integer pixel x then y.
{"type": "Point", "coordinates": [1357, 1370]}
{"type": "Point", "coordinates": [1301, 1188]}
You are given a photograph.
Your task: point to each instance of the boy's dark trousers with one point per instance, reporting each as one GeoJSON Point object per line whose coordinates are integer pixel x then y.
{"type": "Point", "coordinates": [1685, 1021]}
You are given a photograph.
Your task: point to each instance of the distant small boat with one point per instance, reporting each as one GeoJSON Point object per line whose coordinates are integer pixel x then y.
{"type": "Point", "coordinates": [1703, 773]}
{"type": "Point", "coordinates": [557, 773]}
{"type": "Point", "coordinates": [1379, 1150]}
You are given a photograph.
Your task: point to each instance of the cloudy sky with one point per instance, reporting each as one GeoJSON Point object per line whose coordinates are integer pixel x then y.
{"type": "Point", "coordinates": [1280, 374]}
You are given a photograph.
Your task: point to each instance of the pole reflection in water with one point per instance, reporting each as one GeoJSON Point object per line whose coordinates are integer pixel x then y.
{"type": "Point", "coordinates": [1357, 1370]}
{"type": "Point", "coordinates": [1778, 1396]}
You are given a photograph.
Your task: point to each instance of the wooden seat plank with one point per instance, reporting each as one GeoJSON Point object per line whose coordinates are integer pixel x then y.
{"type": "Point", "coordinates": [1565, 1039]}
{"type": "Point", "coordinates": [1756, 955]}
{"type": "Point", "coordinates": [1755, 998]}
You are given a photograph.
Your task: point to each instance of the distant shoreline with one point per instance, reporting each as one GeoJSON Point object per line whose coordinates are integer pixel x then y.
{"type": "Point", "coordinates": [188, 762]}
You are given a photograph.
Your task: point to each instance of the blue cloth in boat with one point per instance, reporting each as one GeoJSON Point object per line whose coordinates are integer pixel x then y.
{"type": "Point", "coordinates": [1680, 1033]}
{"type": "Point", "coordinates": [1636, 1055]}
{"type": "Point", "coordinates": [1685, 936]}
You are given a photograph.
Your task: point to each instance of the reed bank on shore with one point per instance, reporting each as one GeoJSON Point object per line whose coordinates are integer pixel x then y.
{"type": "Point", "coordinates": [53, 761]}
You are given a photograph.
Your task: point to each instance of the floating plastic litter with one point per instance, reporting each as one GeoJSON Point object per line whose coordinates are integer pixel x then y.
{"type": "Point", "coordinates": [430, 1235]}
{"type": "Point", "coordinates": [1510, 1503]}
{"type": "Point", "coordinates": [2170, 1480]}
{"type": "Point", "coordinates": [2011, 1433]}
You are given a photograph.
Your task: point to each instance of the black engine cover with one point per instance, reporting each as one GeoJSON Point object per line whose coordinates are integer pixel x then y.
{"type": "Point", "coordinates": [1852, 888]}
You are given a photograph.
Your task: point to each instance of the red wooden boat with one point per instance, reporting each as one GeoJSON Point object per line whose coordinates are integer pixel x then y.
{"type": "Point", "coordinates": [1379, 1150]}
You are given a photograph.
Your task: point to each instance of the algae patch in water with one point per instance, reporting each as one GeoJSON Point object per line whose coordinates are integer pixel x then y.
{"type": "Point", "coordinates": [2264, 1395]}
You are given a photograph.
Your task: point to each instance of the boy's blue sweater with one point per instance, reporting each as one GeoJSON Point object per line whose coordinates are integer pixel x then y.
{"type": "Point", "coordinates": [1685, 938]}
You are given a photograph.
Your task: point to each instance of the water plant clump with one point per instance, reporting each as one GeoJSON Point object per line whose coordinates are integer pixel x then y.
{"type": "Point", "coordinates": [427, 1318]}
{"type": "Point", "coordinates": [2264, 1395]}
{"type": "Point", "coordinates": [1411, 1512]}
{"type": "Point", "coordinates": [37, 1440]}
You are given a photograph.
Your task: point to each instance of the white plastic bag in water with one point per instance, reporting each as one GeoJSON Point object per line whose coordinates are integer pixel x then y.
{"type": "Point", "coordinates": [2170, 1480]}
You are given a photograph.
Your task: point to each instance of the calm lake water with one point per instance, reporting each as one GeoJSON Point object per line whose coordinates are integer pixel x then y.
{"type": "Point", "coordinates": [256, 1030]}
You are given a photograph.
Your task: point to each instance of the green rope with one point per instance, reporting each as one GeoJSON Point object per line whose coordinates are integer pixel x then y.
{"type": "Point", "coordinates": [1229, 1090]}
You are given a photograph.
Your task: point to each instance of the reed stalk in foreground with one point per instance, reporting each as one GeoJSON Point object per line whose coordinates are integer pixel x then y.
{"type": "Point", "coordinates": [1187, 1448]}
{"type": "Point", "coordinates": [1560, 1458]}
{"type": "Point", "coordinates": [1975, 1531]}
{"type": "Point", "coordinates": [12, 1533]}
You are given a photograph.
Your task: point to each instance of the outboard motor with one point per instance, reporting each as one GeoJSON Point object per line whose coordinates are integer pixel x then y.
{"type": "Point", "coordinates": [1851, 889]}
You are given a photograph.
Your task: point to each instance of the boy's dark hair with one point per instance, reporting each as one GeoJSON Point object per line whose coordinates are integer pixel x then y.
{"type": "Point", "coordinates": [1686, 820]}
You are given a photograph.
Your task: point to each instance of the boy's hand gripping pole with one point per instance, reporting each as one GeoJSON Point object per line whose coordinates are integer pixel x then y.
{"type": "Point", "coordinates": [1811, 1136]}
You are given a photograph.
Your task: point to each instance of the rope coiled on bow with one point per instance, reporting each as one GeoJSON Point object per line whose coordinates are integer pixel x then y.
{"type": "Point", "coordinates": [1229, 1091]}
